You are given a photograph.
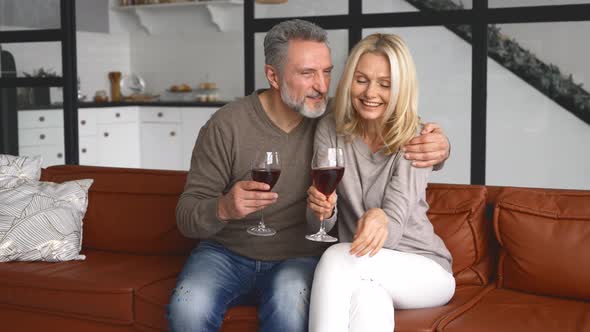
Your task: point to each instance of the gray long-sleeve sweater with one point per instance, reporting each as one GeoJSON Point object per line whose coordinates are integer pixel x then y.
{"type": "Point", "coordinates": [222, 157]}
{"type": "Point", "coordinates": [375, 180]}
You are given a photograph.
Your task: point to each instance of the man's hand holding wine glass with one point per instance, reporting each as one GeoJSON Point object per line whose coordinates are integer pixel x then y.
{"type": "Point", "coordinates": [322, 206]}
{"type": "Point", "coordinates": [245, 197]}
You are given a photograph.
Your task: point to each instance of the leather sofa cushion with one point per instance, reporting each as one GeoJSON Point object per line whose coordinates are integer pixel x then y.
{"type": "Point", "coordinates": [512, 311]}
{"type": "Point", "coordinates": [151, 301]}
{"type": "Point", "coordinates": [426, 320]}
{"type": "Point", "coordinates": [101, 288]}
{"type": "Point", "coordinates": [24, 320]}
{"type": "Point", "coordinates": [545, 240]}
{"type": "Point", "coordinates": [129, 210]}
{"type": "Point", "coordinates": [457, 214]}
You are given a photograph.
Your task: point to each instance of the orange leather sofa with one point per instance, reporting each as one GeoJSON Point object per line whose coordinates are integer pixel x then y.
{"type": "Point", "coordinates": [521, 260]}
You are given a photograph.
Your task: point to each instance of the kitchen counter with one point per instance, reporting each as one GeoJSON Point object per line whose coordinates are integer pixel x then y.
{"type": "Point", "coordinates": [125, 103]}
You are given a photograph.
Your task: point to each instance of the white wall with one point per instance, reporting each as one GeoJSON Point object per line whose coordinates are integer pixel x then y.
{"type": "Point", "coordinates": [165, 60]}
{"type": "Point", "coordinates": [183, 45]}
{"type": "Point", "coordinates": [39, 14]}
{"type": "Point", "coordinates": [302, 8]}
{"type": "Point", "coordinates": [532, 141]}
{"type": "Point", "coordinates": [99, 54]}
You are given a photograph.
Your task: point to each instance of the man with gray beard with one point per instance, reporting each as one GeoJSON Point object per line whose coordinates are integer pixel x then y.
{"type": "Point", "coordinates": [230, 267]}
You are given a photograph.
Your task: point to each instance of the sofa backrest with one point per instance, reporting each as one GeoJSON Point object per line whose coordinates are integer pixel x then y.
{"type": "Point", "coordinates": [129, 210]}
{"type": "Point", "coordinates": [133, 211]}
{"type": "Point", "coordinates": [457, 213]}
{"type": "Point", "coordinates": [545, 241]}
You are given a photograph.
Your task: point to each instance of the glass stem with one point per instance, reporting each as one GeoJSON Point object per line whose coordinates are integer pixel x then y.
{"type": "Point", "coordinates": [322, 227]}
{"type": "Point", "coordinates": [261, 223]}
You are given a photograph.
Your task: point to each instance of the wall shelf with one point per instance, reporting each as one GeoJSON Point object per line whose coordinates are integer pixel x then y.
{"type": "Point", "coordinates": [152, 17]}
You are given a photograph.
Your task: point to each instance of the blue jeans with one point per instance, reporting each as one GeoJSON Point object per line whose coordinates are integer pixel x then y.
{"type": "Point", "coordinates": [215, 278]}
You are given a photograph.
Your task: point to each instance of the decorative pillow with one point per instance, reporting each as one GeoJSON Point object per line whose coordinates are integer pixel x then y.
{"type": "Point", "coordinates": [22, 166]}
{"type": "Point", "coordinates": [42, 220]}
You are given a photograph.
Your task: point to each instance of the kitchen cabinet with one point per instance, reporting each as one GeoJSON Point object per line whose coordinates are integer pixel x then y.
{"type": "Point", "coordinates": [131, 136]}
{"type": "Point", "coordinates": [88, 150]}
{"type": "Point", "coordinates": [118, 145]}
{"type": "Point", "coordinates": [161, 146]}
{"type": "Point", "coordinates": [40, 132]}
{"type": "Point", "coordinates": [161, 138]}
{"type": "Point", "coordinates": [52, 154]}
{"type": "Point", "coordinates": [87, 133]}
{"type": "Point", "coordinates": [118, 134]}
{"type": "Point", "coordinates": [192, 121]}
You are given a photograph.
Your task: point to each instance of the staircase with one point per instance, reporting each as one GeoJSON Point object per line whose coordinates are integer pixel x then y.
{"type": "Point", "coordinates": [546, 78]}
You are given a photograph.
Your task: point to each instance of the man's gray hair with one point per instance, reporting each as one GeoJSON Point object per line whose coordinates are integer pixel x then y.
{"type": "Point", "coordinates": [276, 42]}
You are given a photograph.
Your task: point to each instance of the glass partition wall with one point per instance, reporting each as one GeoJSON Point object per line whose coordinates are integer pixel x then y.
{"type": "Point", "coordinates": [506, 82]}
{"type": "Point", "coordinates": [37, 80]}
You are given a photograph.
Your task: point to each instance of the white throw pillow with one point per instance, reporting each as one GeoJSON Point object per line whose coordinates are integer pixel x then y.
{"type": "Point", "coordinates": [23, 166]}
{"type": "Point", "coordinates": [15, 170]}
{"type": "Point", "coordinates": [42, 221]}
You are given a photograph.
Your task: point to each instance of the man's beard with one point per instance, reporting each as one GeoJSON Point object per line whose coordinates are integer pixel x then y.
{"type": "Point", "coordinates": [300, 106]}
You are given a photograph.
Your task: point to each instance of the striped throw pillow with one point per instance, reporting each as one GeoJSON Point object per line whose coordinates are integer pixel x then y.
{"type": "Point", "coordinates": [42, 221]}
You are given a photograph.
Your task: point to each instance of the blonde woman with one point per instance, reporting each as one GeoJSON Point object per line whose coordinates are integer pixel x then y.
{"type": "Point", "coordinates": [389, 257]}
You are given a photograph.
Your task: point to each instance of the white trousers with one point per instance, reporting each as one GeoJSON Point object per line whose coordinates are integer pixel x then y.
{"type": "Point", "coordinates": [352, 293]}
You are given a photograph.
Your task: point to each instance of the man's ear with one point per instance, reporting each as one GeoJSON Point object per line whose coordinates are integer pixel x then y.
{"type": "Point", "coordinates": [272, 75]}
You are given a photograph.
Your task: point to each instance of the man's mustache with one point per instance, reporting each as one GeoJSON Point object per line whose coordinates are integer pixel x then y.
{"type": "Point", "coordinates": [317, 95]}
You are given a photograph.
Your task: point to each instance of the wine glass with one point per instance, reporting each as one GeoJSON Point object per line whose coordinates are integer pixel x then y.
{"type": "Point", "coordinates": [266, 168]}
{"type": "Point", "coordinates": [327, 169]}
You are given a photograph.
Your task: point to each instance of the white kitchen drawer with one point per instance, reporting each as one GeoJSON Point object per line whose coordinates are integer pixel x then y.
{"type": "Point", "coordinates": [40, 119]}
{"type": "Point", "coordinates": [117, 114]}
{"type": "Point", "coordinates": [51, 154]}
{"type": "Point", "coordinates": [160, 115]}
{"type": "Point", "coordinates": [87, 119]}
{"type": "Point", "coordinates": [88, 150]}
{"type": "Point", "coordinates": [40, 136]}
{"type": "Point", "coordinates": [161, 146]}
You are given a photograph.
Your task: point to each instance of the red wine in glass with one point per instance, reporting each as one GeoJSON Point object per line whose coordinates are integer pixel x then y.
{"type": "Point", "coordinates": [327, 169]}
{"type": "Point", "coordinates": [326, 179]}
{"type": "Point", "coordinates": [268, 176]}
{"type": "Point", "coordinates": [266, 168]}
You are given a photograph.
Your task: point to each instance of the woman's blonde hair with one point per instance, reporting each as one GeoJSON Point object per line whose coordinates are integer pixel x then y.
{"type": "Point", "coordinates": [400, 120]}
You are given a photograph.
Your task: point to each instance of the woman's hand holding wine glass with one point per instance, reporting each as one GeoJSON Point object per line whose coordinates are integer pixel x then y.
{"type": "Point", "coordinates": [322, 206]}
{"type": "Point", "coordinates": [327, 169]}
